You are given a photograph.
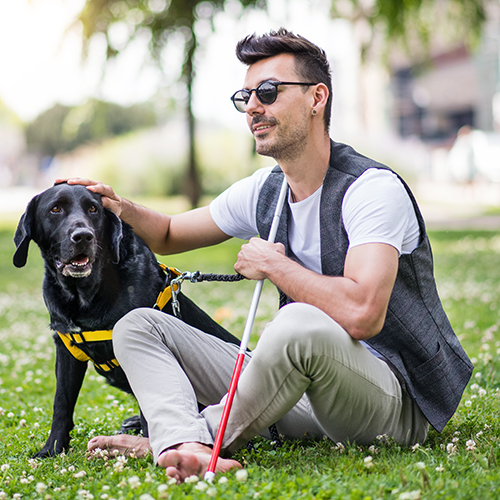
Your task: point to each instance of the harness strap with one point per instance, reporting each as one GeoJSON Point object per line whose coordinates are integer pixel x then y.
{"type": "Point", "coordinates": [71, 340]}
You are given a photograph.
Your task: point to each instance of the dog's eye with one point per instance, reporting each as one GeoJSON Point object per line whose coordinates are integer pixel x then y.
{"type": "Point", "coordinates": [93, 209]}
{"type": "Point", "coordinates": [56, 209]}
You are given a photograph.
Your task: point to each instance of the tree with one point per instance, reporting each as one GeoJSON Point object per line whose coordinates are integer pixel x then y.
{"type": "Point", "coordinates": [160, 19]}
{"type": "Point", "coordinates": [414, 23]}
{"type": "Point", "coordinates": [63, 128]}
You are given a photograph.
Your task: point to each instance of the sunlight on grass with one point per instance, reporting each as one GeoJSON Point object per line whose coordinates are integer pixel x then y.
{"type": "Point", "coordinates": [462, 462]}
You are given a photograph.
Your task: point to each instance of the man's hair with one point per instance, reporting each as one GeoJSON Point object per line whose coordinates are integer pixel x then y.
{"type": "Point", "coordinates": [311, 63]}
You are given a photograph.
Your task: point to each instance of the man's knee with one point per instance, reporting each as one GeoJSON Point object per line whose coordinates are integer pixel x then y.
{"type": "Point", "coordinates": [299, 324]}
{"type": "Point", "coordinates": [137, 323]}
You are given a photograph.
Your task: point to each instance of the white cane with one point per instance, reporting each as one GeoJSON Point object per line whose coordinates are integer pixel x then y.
{"type": "Point", "coordinates": [209, 475]}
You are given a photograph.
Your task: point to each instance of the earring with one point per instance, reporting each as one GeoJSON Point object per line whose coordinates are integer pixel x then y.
{"type": "Point", "coordinates": [314, 111]}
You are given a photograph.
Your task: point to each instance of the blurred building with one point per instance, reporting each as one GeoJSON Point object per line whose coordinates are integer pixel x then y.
{"type": "Point", "coordinates": [458, 87]}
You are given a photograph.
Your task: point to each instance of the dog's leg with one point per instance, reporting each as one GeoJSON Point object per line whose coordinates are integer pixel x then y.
{"type": "Point", "coordinates": [69, 378]}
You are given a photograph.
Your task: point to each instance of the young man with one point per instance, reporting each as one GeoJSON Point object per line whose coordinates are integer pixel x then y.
{"type": "Point", "coordinates": [362, 347]}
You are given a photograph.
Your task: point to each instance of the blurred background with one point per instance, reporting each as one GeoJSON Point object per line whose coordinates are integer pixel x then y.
{"type": "Point", "coordinates": [136, 93]}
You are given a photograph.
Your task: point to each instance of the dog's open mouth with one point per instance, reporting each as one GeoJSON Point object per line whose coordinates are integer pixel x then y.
{"type": "Point", "coordinates": [78, 267]}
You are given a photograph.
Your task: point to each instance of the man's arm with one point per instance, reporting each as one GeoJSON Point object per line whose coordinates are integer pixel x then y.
{"type": "Point", "coordinates": [164, 234]}
{"type": "Point", "coordinates": [357, 301]}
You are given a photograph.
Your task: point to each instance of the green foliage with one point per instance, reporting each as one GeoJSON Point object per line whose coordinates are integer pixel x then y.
{"type": "Point", "coordinates": [460, 463]}
{"type": "Point", "coordinates": [63, 128]}
{"type": "Point", "coordinates": [416, 23]}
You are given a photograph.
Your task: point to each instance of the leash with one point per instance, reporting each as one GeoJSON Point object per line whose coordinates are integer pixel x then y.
{"type": "Point", "coordinates": [196, 277]}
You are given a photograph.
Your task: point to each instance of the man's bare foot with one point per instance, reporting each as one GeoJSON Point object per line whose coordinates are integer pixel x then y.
{"type": "Point", "coordinates": [190, 459]}
{"type": "Point", "coordinates": [121, 444]}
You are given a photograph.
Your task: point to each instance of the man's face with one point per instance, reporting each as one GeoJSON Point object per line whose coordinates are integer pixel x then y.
{"type": "Point", "coordinates": [280, 129]}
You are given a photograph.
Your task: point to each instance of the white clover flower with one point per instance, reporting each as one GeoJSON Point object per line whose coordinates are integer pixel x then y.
{"type": "Point", "coordinates": [471, 445]}
{"type": "Point", "coordinates": [80, 474]}
{"type": "Point", "coordinates": [5, 467]}
{"type": "Point", "coordinates": [482, 392]}
{"type": "Point", "coordinates": [468, 403]}
{"type": "Point", "coordinates": [134, 482]}
{"type": "Point", "coordinates": [211, 492]}
{"type": "Point", "coordinates": [241, 475]}
{"type": "Point", "coordinates": [16, 496]}
{"type": "Point", "coordinates": [474, 387]}
{"type": "Point", "coordinates": [104, 496]}
{"type": "Point", "coordinates": [410, 495]}
{"type": "Point", "coordinates": [192, 479]}
{"type": "Point", "coordinates": [24, 480]}
{"type": "Point", "coordinates": [22, 422]}
{"type": "Point", "coordinates": [201, 486]}
{"type": "Point", "coordinates": [40, 488]}
{"type": "Point", "coordinates": [71, 468]}
{"type": "Point", "coordinates": [171, 481]}
{"type": "Point", "coordinates": [162, 488]}
{"type": "Point", "coordinates": [440, 468]}
{"type": "Point", "coordinates": [11, 415]}
{"type": "Point", "coordinates": [368, 461]}
{"type": "Point", "coordinates": [223, 480]}
{"type": "Point", "coordinates": [146, 496]}
{"type": "Point", "coordinates": [2, 495]}
{"type": "Point", "coordinates": [478, 375]}
{"type": "Point", "coordinates": [451, 448]}
{"type": "Point", "coordinates": [415, 447]}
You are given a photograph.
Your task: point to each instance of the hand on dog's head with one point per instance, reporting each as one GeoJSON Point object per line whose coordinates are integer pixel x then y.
{"type": "Point", "coordinates": [60, 212]}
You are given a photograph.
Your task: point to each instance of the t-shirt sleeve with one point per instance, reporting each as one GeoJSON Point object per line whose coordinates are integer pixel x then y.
{"type": "Point", "coordinates": [234, 209]}
{"type": "Point", "coordinates": [377, 209]}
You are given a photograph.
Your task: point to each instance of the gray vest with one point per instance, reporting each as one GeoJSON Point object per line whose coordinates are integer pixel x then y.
{"type": "Point", "coordinates": [417, 340]}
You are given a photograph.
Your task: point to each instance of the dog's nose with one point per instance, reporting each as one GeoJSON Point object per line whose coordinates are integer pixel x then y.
{"type": "Point", "coordinates": [82, 235]}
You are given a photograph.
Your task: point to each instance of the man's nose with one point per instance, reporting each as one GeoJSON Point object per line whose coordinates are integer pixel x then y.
{"type": "Point", "coordinates": [254, 106]}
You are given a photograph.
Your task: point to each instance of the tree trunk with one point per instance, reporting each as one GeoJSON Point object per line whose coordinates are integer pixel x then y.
{"type": "Point", "coordinates": [193, 184]}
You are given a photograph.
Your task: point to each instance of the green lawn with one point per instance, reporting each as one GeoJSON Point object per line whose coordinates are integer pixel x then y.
{"type": "Point", "coordinates": [462, 462]}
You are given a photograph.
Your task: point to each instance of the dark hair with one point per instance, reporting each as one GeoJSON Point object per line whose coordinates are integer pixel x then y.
{"type": "Point", "coordinates": [311, 63]}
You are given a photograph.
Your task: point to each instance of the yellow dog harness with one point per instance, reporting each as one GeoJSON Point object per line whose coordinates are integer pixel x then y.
{"type": "Point", "coordinates": [72, 340]}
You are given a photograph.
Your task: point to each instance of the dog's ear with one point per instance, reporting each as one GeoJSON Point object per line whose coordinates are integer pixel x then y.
{"type": "Point", "coordinates": [115, 233]}
{"type": "Point", "coordinates": [24, 234]}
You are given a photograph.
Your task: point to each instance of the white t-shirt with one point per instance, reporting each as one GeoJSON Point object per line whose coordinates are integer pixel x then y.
{"type": "Point", "coordinates": [376, 209]}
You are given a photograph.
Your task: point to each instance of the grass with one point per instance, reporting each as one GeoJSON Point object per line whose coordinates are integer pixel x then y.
{"type": "Point", "coordinates": [460, 463]}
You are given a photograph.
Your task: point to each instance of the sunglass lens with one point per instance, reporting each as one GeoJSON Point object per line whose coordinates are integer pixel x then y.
{"type": "Point", "coordinates": [240, 100]}
{"type": "Point", "coordinates": [266, 92]}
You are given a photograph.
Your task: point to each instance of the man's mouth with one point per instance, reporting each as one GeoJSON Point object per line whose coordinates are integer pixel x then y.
{"type": "Point", "coordinates": [78, 267]}
{"type": "Point", "coordinates": [260, 128]}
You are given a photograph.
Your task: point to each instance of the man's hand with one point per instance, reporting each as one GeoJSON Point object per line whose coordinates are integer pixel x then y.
{"type": "Point", "coordinates": [256, 256]}
{"type": "Point", "coordinates": [109, 198]}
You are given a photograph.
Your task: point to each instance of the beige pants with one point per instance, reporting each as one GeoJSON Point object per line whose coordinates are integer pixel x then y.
{"type": "Point", "coordinates": [307, 375]}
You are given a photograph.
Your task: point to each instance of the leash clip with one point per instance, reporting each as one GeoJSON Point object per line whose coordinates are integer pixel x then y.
{"type": "Point", "coordinates": [175, 287]}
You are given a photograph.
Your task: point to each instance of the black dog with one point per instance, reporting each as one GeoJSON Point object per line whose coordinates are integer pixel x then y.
{"type": "Point", "coordinates": [96, 270]}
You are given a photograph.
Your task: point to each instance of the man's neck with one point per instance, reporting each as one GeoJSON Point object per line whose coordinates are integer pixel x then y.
{"type": "Point", "coordinates": [306, 173]}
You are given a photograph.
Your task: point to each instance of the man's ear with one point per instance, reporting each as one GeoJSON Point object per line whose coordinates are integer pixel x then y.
{"type": "Point", "coordinates": [115, 233]}
{"type": "Point", "coordinates": [24, 233]}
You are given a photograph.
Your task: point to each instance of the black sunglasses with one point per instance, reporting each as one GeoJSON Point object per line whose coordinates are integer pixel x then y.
{"type": "Point", "coordinates": [266, 93]}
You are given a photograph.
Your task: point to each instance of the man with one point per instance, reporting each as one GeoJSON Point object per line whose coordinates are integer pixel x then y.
{"type": "Point", "coordinates": [362, 347]}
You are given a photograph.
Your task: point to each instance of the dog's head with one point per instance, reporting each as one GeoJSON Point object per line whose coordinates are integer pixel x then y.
{"type": "Point", "coordinates": [70, 225]}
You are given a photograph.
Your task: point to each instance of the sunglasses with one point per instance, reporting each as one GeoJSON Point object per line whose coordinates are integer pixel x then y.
{"type": "Point", "coordinates": [266, 93]}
